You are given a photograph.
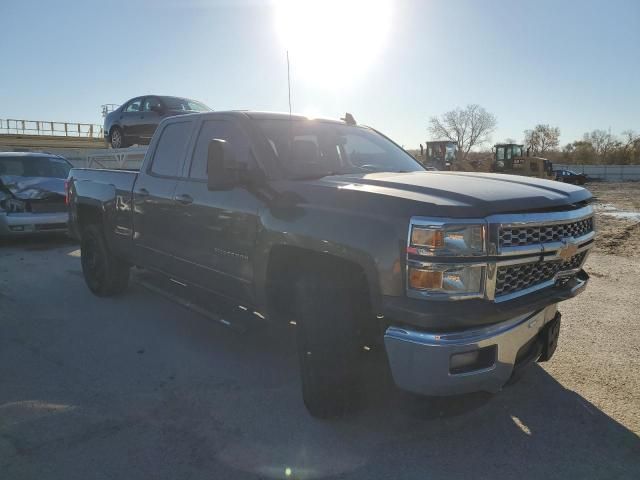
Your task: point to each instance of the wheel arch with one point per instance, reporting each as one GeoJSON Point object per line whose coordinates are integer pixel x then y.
{"type": "Point", "coordinates": [286, 262]}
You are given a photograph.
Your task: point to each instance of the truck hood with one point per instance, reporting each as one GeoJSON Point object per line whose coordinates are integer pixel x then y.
{"type": "Point", "coordinates": [460, 194]}
{"type": "Point", "coordinates": [32, 188]}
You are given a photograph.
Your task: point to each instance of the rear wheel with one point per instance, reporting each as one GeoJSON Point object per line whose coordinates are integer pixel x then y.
{"type": "Point", "coordinates": [328, 312]}
{"type": "Point", "coordinates": [104, 273]}
{"type": "Point", "coordinates": [117, 138]}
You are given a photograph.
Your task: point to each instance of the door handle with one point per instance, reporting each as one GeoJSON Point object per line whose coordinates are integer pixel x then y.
{"type": "Point", "coordinates": [183, 198]}
{"type": "Point", "coordinates": [142, 192]}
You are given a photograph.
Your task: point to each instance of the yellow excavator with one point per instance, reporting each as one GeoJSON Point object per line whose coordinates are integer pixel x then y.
{"type": "Point", "coordinates": [509, 158]}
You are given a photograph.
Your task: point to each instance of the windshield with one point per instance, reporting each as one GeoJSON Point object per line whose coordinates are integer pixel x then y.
{"type": "Point", "coordinates": [34, 167]}
{"type": "Point", "coordinates": [174, 103]}
{"type": "Point", "coordinates": [314, 148]}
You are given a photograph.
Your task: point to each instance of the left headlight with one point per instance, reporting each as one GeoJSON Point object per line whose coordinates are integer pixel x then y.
{"type": "Point", "coordinates": [448, 240]}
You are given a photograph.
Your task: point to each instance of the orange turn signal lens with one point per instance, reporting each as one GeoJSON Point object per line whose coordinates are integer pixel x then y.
{"type": "Point", "coordinates": [425, 237]}
{"type": "Point", "coordinates": [424, 279]}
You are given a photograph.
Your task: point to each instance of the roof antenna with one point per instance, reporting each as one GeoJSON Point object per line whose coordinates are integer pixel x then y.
{"type": "Point", "coordinates": [289, 82]}
{"type": "Point", "coordinates": [348, 119]}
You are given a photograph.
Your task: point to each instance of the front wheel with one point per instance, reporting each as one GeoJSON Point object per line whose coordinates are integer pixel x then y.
{"type": "Point", "coordinates": [328, 311]}
{"type": "Point", "coordinates": [104, 273]}
{"type": "Point", "coordinates": [117, 138]}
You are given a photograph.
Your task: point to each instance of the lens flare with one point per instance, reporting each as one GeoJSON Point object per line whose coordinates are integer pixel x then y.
{"type": "Point", "coordinates": [332, 42]}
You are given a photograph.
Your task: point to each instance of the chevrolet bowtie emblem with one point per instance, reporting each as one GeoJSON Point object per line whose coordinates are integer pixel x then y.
{"type": "Point", "coordinates": [568, 250]}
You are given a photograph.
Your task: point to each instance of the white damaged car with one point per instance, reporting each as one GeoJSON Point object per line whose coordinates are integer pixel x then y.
{"type": "Point", "coordinates": [32, 193]}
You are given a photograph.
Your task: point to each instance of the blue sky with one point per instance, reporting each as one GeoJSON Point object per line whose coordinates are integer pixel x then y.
{"type": "Point", "coordinates": [573, 64]}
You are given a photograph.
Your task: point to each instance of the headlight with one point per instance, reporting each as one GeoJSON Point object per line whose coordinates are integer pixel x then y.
{"type": "Point", "coordinates": [12, 206]}
{"type": "Point", "coordinates": [448, 240]}
{"type": "Point", "coordinates": [448, 279]}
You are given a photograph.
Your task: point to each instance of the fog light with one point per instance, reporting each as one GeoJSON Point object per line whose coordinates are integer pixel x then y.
{"type": "Point", "coordinates": [474, 360]}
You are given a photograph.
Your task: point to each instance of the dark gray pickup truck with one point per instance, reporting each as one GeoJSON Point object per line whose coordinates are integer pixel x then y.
{"type": "Point", "coordinates": [334, 228]}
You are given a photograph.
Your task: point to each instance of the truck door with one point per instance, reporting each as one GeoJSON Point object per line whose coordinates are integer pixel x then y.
{"type": "Point", "coordinates": [155, 209]}
{"type": "Point", "coordinates": [217, 229]}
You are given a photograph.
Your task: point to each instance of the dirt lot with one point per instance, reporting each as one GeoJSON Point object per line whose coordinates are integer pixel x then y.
{"type": "Point", "coordinates": [138, 387]}
{"type": "Point", "coordinates": [618, 207]}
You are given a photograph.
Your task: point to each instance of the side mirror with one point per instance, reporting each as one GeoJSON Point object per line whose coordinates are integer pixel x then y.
{"type": "Point", "coordinates": [224, 172]}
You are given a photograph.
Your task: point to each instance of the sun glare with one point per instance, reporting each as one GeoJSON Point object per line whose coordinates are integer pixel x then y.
{"type": "Point", "coordinates": [332, 42]}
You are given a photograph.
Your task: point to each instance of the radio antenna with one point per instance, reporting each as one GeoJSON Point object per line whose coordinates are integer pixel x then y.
{"type": "Point", "coordinates": [289, 81]}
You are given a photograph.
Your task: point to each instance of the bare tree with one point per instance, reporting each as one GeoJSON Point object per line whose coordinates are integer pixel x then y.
{"type": "Point", "coordinates": [542, 138]}
{"type": "Point", "coordinates": [603, 142]}
{"type": "Point", "coordinates": [468, 127]}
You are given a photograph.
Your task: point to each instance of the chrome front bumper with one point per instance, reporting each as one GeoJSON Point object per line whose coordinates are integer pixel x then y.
{"type": "Point", "coordinates": [421, 362]}
{"type": "Point", "coordinates": [28, 223]}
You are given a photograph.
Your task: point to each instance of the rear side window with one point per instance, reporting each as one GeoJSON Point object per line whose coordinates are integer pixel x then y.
{"type": "Point", "coordinates": [171, 148]}
{"type": "Point", "coordinates": [223, 130]}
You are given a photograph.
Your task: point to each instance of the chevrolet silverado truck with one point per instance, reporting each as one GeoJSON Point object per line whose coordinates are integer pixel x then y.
{"type": "Point", "coordinates": [332, 227]}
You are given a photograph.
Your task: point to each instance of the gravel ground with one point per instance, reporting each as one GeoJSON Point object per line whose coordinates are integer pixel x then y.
{"type": "Point", "coordinates": [139, 387]}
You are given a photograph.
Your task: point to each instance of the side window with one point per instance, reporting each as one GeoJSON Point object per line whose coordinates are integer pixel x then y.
{"type": "Point", "coordinates": [152, 104]}
{"type": "Point", "coordinates": [134, 106]}
{"type": "Point", "coordinates": [224, 130]}
{"type": "Point", "coordinates": [170, 150]}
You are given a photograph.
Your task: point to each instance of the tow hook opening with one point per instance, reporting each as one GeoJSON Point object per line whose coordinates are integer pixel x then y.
{"type": "Point", "coordinates": [478, 359]}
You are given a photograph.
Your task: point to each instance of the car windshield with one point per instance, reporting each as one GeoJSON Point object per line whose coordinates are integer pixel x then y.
{"type": "Point", "coordinates": [26, 166]}
{"type": "Point", "coordinates": [316, 148]}
{"type": "Point", "coordinates": [174, 103]}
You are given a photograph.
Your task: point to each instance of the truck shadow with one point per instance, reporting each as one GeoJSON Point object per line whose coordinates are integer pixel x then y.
{"type": "Point", "coordinates": [534, 428]}
{"type": "Point", "coordinates": [205, 399]}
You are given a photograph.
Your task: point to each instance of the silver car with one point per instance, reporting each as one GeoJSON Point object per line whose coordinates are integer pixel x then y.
{"type": "Point", "coordinates": [32, 193]}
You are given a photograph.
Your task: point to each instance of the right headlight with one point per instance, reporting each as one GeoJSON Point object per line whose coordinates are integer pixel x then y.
{"type": "Point", "coordinates": [12, 205]}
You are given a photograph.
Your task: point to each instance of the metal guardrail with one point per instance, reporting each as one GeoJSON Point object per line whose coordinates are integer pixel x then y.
{"type": "Point", "coordinates": [121, 158]}
{"type": "Point", "coordinates": [107, 108]}
{"type": "Point", "coordinates": [55, 129]}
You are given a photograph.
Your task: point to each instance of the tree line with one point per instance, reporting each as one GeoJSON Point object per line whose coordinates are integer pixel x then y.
{"type": "Point", "coordinates": [471, 128]}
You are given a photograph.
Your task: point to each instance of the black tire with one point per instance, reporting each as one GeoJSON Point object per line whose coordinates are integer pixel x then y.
{"type": "Point", "coordinates": [104, 273]}
{"type": "Point", "coordinates": [328, 312]}
{"type": "Point", "coordinates": [117, 138]}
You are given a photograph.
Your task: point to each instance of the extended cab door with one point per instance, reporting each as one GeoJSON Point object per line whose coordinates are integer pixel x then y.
{"type": "Point", "coordinates": [217, 229]}
{"type": "Point", "coordinates": [155, 210]}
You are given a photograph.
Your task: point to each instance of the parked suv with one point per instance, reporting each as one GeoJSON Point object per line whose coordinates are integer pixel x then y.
{"type": "Point", "coordinates": [333, 228]}
{"type": "Point", "coordinates": [136, 120]}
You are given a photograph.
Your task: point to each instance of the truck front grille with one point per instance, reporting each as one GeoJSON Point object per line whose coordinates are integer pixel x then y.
{"type": "Point", "coordinates": [517, 236]}
{"type": "Point", "coordinates": [515, 278]}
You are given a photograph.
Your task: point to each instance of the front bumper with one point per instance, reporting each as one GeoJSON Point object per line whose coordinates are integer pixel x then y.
{"type": "Point", "coordinates": [14, 224]}
{"type": "Point", "coordinates": [421, 362]}
{"type": "Point", "coordinates": [462, 315]}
